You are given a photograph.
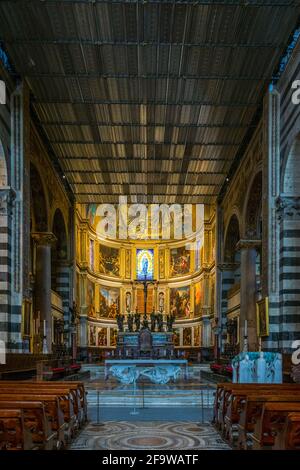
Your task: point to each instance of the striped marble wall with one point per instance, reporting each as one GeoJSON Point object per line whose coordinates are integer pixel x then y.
{"type": "Point", "coordinates": [63, 287]}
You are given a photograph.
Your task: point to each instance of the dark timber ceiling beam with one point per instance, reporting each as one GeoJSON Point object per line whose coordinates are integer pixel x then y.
{"type": "Point", "coordinates": [142, 43]}
{"type": "Point", "coordinates": [153, 142]}
{"type": "Point", "coordinates": [148, 173]}
{"type": "Point", "coordinates": [165, 194]}
{"type": "Point", "coordinates": [146, 142]}
{"type": "Point", "coordinates": [145, 159]}
{"type": "Point", "coordinates": [138, 124]}
{"type": "Point", "coordinates": [148, 76]}
{"type": "Point", "coordinates": [221, 3]}
{"type": "Point", "coordinates": [226, 104]}
{"type": "Point", "coordinates": [136, 183]}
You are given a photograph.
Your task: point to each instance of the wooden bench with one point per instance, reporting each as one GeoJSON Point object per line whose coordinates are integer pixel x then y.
{"type": "Point", "coordinates": [251, 411]}
{"type": "Point", "coordinates": [289, 437]}
{"type": "Point", "coordinates": [76, 388]}
{"type": "Point", "coordinates": [237, 399]}
{"type": "Point", "coordinates": [70, 402]}
{"type": "Point", "coordinates": [13, 433]}
{"type": "Point", "coordinates": [35, 421]}
{"type": "Point", "coordinates": [57, 409]}
{"type": "Point", "coordinates": [226, 393]}
{"type": "Point", "coordinates": [270, 423]}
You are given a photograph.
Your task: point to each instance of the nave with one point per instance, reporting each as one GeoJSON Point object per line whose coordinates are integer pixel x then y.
{"type": "Point", "coordinates": [149, 224]}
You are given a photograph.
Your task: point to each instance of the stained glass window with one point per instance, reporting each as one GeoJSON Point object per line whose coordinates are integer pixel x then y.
{"type": "Point", "coordinates": [144, 264]}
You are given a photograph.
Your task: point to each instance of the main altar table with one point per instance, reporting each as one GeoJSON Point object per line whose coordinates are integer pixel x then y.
{"type": "Point", "coordinates": [157, 370]}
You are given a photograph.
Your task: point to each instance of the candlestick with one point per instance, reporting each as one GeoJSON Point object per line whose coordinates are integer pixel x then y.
{"type": "Point", "coordinates": [246, 328]}
{"type": "Point", "coordinates": [44, 327]}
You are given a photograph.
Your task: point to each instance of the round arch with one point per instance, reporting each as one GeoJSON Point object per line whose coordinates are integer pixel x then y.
{"type": "Point", "coordinates": [253, 207]}
{"type": "Point", "coordinates": [290, 175]}
{"type": "Point", "coordinates": [60, 231]}
{"type": "Point", "coordinates": [38, 201]}
{"type": "Point", "coordinates": [231, 238]}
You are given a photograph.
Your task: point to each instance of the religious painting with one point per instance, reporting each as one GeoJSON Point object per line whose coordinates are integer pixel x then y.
{"type": "Point", "coordinates": [90, 298]}
{"type": "Point", "coordinates": [161, 262]}
{"type": "Point", "coordinates": [92, 339]}
{"type": "Point", "coordinates": [180, 259]}
{"type": "Point", "coordinates": [113, 332]}
{"type": "Point", "coordinates": [176, 337]}
{"type": "Point", "coordinates": [180, 304]}
{"type": "Point", "coordinates": [187, 336]}
{"type": "Point", "coordinates": [128, 264]}
{"type": "Point", "coordinates": [92, 265]}
{"type": "Point", "coordinates": [144, 264]}
{"type": "Point", "coordinates": [102, 337]}
{"type": "Point", "coordinates": [197, 299]}
{"type": "Point", "coordinates": [109, 302]}
{"type": "Point", "coordinates": [197, 336]}
{"type": "Point", "coordinates": [109, 260]}
{"type": "Point", "coordinates": [262, 317]}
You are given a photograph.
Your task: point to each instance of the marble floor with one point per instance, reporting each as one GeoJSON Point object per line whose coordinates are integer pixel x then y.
{"type": "Point", "coordinates": [148, 435]}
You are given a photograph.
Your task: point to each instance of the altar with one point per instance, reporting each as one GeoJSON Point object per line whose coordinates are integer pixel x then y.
{"type": "Point", "coordinates": [145, 344]}
{"type": "Point", "coordinates": [159, 371]}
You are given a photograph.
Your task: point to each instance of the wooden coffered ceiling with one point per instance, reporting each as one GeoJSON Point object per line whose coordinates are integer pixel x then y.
{"type": "Point", "coordinates": [150, 99]}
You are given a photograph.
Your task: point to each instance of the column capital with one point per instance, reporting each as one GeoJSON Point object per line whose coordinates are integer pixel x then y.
{"type": "Point", "coordinates": [288, 207]}
{"type": "Point", "coordinates": [228, 266]}
{"type": "Point", "coordinates": [7, 197]}
{"type": "Point", "coordinates": [248, 244]}
{"type": "Point", "coordinates": [44, 238]}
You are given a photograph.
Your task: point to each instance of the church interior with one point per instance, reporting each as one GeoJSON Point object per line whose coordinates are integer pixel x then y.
{"type": "Point", "coordinates": [149, 225]}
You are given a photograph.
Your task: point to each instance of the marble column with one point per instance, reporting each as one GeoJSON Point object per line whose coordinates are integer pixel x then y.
{"type": "Point", "coordinates": [44, 241]}
{"type": "Point", "coordinates": [248, 249]}
{"type": "Point", "coordinates": [271, 226]}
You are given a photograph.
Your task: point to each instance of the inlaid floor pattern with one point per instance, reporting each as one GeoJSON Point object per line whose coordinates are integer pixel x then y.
{"type": "Point", "coordinates": [124, 435]}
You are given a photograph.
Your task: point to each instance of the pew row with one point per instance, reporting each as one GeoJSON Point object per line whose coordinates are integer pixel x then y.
{"type": "Point", "coordinates": [75, 389]}
{"type": "Point", "coordinates": [254, 414]}
{"type": "Point", "coordinates": [47, 417]}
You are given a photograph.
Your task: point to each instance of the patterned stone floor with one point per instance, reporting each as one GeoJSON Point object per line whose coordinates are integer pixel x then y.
{"type": "Point", "coordinates": [157, 435]}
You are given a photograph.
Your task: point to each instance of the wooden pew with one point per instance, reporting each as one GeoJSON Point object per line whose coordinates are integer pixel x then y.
{"type": "Point", "coordinates": [251, 411]}
{"type": "Point", "coordinates": [237, 399]}
{"type": "Point", "coordinates": [35, 421]}
{"type": "Point", "coordinates": [70, 401]}
{"type": "Point", "coordinates": [76, 388]}
{"type": "Point", "coordinates": [271, 422]}
{"type": "Point", "coordinates": [289, 437]}
{"type": "Point", "coordinates": [227, 392]}
{"type": "Point", "coordinates": [55, 408]}
{"type": "Point", "coordinates": [13, 433]}
{"type": "Point", "coordinates": [221, 398]}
